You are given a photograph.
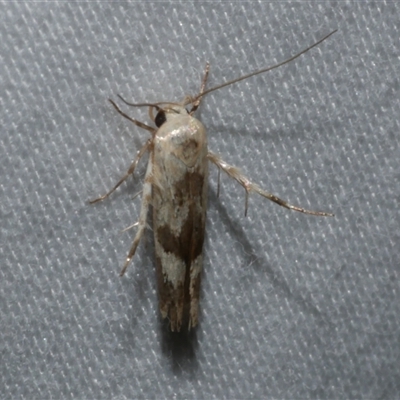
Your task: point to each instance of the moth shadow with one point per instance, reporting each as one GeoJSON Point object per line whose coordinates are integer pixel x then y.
{"type": "Point", "coordinates": [253, 257]}
{"type": "Point", "coordinates": [180, 348]}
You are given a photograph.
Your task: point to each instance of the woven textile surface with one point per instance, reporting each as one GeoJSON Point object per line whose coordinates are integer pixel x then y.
{"type": "Point", "coordinates": [292, 306]}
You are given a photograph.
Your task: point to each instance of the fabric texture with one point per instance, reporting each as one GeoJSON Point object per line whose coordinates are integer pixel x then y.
{"type": "Point", "coordinates": [292, 306]}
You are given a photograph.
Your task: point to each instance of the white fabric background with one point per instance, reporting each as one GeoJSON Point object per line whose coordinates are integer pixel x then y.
{"type": "Point", "coordinates": [293, 306]}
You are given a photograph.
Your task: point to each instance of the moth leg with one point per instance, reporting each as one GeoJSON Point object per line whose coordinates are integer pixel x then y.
{"type": "Point", "coordinates": [197, 102]}
{"type": "Point", "coordinates": [235, 173]}
{"type": "Point", "coordinates": [129, 172]}
{"type": "Point", "coordinates": [146, 199]}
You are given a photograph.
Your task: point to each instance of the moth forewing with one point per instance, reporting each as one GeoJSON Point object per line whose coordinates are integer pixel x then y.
{"type": "Point", "coordinates": [180, 170]}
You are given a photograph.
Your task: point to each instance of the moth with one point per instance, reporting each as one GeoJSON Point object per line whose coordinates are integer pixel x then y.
{"type": "Point", "coordinates": [176, 186]}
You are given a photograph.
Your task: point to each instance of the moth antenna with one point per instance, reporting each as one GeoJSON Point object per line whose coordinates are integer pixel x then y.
{"type": "Point", "coordinates": [155, 105]}
{"type": "Point", "coordinates": [264, 69]}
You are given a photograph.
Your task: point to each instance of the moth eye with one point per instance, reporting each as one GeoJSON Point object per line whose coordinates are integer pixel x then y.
{"type": "Point", "coordinates": [160, 118]}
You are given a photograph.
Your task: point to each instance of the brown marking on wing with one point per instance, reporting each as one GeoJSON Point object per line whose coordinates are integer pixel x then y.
{"type": "Point", "coordinates": [189, 148]}
{"type": "Point", "coordinates": [187, 246]}
{"type": "Point", "coordinates": [168, 295]}
{"type": "Point", "coordinates": [195, 282]}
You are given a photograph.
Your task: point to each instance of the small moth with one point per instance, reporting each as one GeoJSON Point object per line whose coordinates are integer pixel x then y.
{"type": "Point", "coordinates": [176, 186]}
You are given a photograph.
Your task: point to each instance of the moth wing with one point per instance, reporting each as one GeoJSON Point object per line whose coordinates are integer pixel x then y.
{"type": "Point", "coordinates": [180, 185]}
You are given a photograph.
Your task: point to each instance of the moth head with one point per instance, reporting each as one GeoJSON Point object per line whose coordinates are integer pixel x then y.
{"type": "Point", "coordinates": [169, 112]}
{"type": "Point", "coordinates": [166, 111]}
